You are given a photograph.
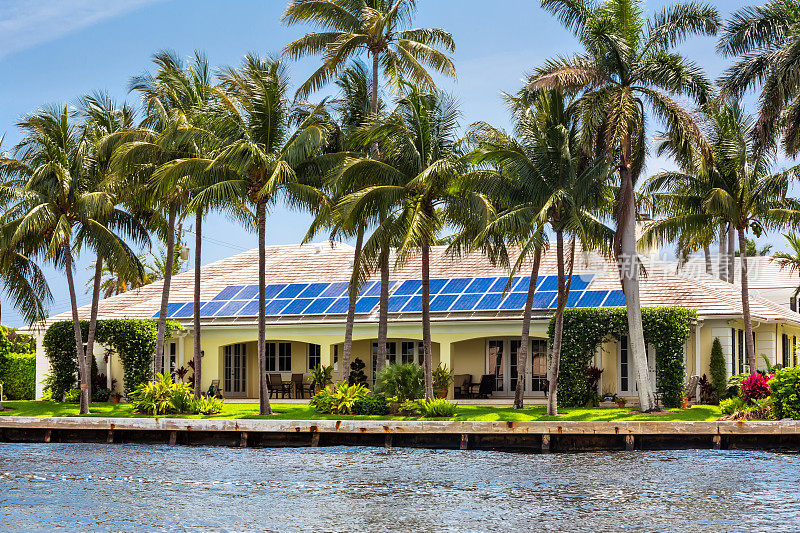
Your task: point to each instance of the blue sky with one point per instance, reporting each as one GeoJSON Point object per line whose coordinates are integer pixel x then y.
{"type": "Point", "coordinates": [52, 51]}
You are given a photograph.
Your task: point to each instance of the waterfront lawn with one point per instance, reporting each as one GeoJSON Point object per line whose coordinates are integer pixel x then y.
{"type": "Point", "coordinates": [305, 412]}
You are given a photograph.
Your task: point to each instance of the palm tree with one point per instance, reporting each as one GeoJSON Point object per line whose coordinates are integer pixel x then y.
{"type": "Point", "coordinates": [545, 179]}
{"type": "Point", "coordinates": [741, 191]}
{"type": "Point", "coordinates": [57, 206]}
{"type": "Point", "coordinates": [766, 42]}
{"type": "Point", "coordinates": [375, 27]}
{"type": "Point", "coordinates": [258, 161]}
{"type": "Point", "coordinates": [421, 189]}
{"type": "Point", "coordinates": [791, 259]}
{"type": "Point", "coordinates": [629, 65]}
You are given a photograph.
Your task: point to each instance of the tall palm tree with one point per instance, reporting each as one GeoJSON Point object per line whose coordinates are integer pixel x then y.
{"type": "Point", "coordinates": [744, 193]}
{"type": "Point", "coordinates": [57, 206]}
{"type": "Point", "coordinates": [766, 42]}
{"type": "Point", "coordinates": [258, 161]}
{"type": "Point", "coordinates": [791, 259]}
{"type": "Point", "coordinates": [422, 188]}
{"type": "Point", "coordinates": [380, 28]}
{"type": "Point", "coordinates": [628, 65]}
{"type": "Point", "coordinates": [546, 179]}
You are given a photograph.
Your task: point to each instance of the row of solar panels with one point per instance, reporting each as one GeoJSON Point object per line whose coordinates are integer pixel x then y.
{"type": "Point", "coordinates": [457, 294]}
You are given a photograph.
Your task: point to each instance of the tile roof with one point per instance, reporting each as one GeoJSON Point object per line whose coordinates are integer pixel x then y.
{"type": "Point", "coordinates": [661, 286]}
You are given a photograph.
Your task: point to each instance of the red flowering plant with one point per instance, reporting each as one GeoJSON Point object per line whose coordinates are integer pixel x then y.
{"type": "Point", "coordinates": [755, 387]}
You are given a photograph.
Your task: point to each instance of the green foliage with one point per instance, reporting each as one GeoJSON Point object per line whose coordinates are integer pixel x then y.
{"type": "Point", "coordinates": [667, 328]}
{"type": "Point", "coordinates": [442, 378]}
{"type": "Point", "coordinates": [72, 396]}
{"type": "Point", "coordinates": [438, 408]}
{"type": "Point", "coordinates": [406, 382]}
{"type": "Point", "coordinates": [340, 400]}
{"type": "Point", "coordinates": [163, 396]}
{"type": "Point", "coordinates": [371, 404]}
{"type": "Point", "coordinates": [133, 340]}
{"type": "Point", "coordinates": [785, 386]}
{"type": "Point", "coordinates": [18, 375]}
{"type": "Point", "coordinates": [15, 342]}
{"type": "Point", "coordinates": [206, 405]}
{"type": "Point", "coordinates": [357, 375]}
{"type": "Point", "coordinates": [729, 406]}
{"type": "Point", "coordinates": [321, 376]}
{"type": "Point", "coordinates": [717, 369]}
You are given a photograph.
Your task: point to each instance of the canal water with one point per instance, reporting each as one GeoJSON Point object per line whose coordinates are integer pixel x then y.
{"type": "Point", "coordinates": [90, 487]}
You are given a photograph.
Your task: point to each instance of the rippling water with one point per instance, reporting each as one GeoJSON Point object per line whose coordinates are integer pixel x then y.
{"type": "Point", "coordinates": [145, 488]}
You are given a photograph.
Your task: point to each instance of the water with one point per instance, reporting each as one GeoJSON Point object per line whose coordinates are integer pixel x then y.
{"type": "Point", "coordinates": [144, 488]}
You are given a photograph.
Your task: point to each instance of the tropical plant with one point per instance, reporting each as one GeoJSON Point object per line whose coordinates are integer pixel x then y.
{"type": "Point", "coordinates": [785, 393]}
{"type": "Point", "coordinates": [21, 278]}
{"type": "Point", "coordinates": [340, 399]}
{"type": "Point", "coordinates": [371, 404]}
{"type": "Point", "coordinates": [789, 260]}
{"type": "Point", "coordinates": [442, 379]}
{"type": "Point", "coordinates": [156, 397]}
{"type": "Point", "coordinates": [357, 375]}
{"type": "Point", "coordinates": [405, 382]}
{"type": "Point", "coordinates": [206, 405]}
{"type": "Point", "coordinates": [321, 376]}
{"type": "Point", "coordinates": [377, 28]}
{"type": "Point", "coordinates": [438, 408]}
{"type": "Point", "coordinates": [628, 64]}
{"type": "Point", "coordinates": [755, 387]}
{"type": "Point", "coordinates": [719, 373]}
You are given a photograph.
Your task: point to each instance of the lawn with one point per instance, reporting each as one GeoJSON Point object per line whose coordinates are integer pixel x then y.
{"type": "Point", "coordinates": [304, 412]}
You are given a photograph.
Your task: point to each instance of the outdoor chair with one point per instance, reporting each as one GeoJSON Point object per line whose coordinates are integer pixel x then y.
{"type": "Point", "coordinates": [486, 387]}
{"type": "Point", "coordinates": [298, 389]}
{"type": "Point", "coordinates": [214, 389]}
{"type": "Point", "coordinates": [461, 385]}
{"type": "Point", "coordinates": [690, 392]}
{"type": "Point", "coordinates": [278, 386]}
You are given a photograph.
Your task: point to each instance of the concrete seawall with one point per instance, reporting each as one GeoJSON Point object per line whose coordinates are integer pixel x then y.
{"type": "Point", "coordinates": [523, 436]}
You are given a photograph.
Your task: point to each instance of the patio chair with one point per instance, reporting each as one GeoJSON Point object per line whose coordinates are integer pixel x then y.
{"type": "Point", "coordinates": [297, 387]}
{"type": "Point", "coordinates": [278, 386]}
{"type": "Point", "coordinates": [214, 389]}
{"type": "Point", "coordinates": [486, 388]}
{"type": "Point", "coordinates": [690, 392]}
{"type": "Point", "coordinates": [461, 385]}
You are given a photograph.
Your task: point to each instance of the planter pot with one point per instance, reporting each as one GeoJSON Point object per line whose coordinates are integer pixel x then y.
{"type": "Point", "coordinates": [442, 394]}
{"type": "Point", "coordinates": [621, 405]}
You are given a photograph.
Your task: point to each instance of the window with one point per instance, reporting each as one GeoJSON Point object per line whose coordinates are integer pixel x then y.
{"type": "Point", "coordinates": [407, 351]}
{"type": "Point", "coordinates": [314, 359]}
{"type": "Point", "coordinates": [539, 365]}
{"type": "Point", "coordinates": [335, 357]}
{"type": "Point", "coordinates": [170, 357]}
{"type": "Point", "coordinates": [235, 369]}
{"type": "Point", "coordinates": [513, 353]}
{"type": "Point", "coordinates": [495, 363]}
{"type": "Point", "coordinates": [391, 357]}
{"type": "Point", "coordinates": [794, 351]}
{"type": "Point", "coordinates": [283, 363]}
{"type": "Point", "coordinates": [793, 303]}
{"type": "Point", "coordinates": [623, 364]}
{"type": "Point", "coordinates": [785, 350]}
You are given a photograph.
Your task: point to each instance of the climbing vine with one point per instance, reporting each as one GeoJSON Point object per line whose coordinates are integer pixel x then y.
{"type": "Point", "coordinates": [665, 328]}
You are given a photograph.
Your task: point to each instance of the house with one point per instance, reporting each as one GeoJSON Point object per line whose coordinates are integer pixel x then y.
{"type": "Point", "coordinates": [475, 326]}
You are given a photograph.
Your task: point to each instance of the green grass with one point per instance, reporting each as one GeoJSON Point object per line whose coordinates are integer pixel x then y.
{"type": "Point", "coordinates": [304, 412]}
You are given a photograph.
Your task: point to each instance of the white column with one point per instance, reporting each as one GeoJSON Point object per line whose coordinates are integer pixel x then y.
{"type": "Point", "coordinates": [698, 356]}
{"type": "Point", "coordinates": [445, 359]}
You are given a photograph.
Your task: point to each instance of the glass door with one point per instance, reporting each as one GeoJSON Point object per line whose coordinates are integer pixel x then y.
{"type": "Point", "coordinates": [495, 364]}
{"type": "Point", "coordinates": [235, 370]}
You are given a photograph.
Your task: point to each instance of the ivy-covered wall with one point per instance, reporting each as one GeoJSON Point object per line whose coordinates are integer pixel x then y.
{"type": "Point", "coordinates": [133, 340]}
{"type": "Point", "coordinates": [666, 328]}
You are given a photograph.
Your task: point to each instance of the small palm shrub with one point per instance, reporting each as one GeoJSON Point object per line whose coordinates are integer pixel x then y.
{"type": "Point", "coordinates": [321, 376]}
{"type": "Point", "coordinates": [442, 379]}
{"type": "Point", "coordinates": [206, 405]}
{"type": "Point", "coordinates": [755, 387]}
{"type": "Point", "coordinates": [163, 396]}
{"type": "Point", "coordinates": [340, 400]}
{"type": "Point", "coordinates": [406, 382]}
{"type": "Point", "coordinates": [372, 404]}
{"type": "Point", "coordinates": [438, 408]}
{"type": "Point", "coordinates": [785, 386]}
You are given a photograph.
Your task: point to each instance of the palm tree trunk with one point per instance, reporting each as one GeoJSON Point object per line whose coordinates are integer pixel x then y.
{"type": "Point", "coordinates": [83, 371]}
{"type": "Point", "coordinates": [98, 274]}
{"type": "Point", "coordinates": [352, 296]}
{"type": "Point", "coordinates": [707, 256]}
{"type": "Point", "coordinates": [748, 324]}
{"type": "Point", "coordinates": [198, 263]}
{"type": "Point", "coordinates": [558, 330]}
{"type": "Point", "coordinates": [628, 263]}
{"type": "Point", "coordinates": [162, 315]}
{"type": "Point", "coordinates": [522, 355]}
{"type": "Point", "coordinates": [723, 252]}
{"type": "Point", "coordinates": [426, 321]}
{"type": "Point", "coordinates": [731, 253]}
{"type": "Point", "coordinates": [263, 388]}
{"type": "Point", "coordinates": [383, 311]}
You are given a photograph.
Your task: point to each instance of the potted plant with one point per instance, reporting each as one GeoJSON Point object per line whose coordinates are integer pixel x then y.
{"type": "Point", "coordinates": [620, 401]}
{"type": "Point", "coordinates": [116, 397]}
{"type": "Point", "coordinates": [321, 377]}
{"type": "Point", "coordinates": [442, 379]}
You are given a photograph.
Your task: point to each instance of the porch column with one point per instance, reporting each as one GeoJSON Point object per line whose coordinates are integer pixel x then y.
{"type": "Point", "coordinates": [698, 356]}
{"type": "Point", "coordinates": [445, 358]}
{"type": "Point", "coordinates": [326, 355]}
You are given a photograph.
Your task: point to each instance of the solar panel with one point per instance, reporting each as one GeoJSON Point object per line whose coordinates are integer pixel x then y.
{"type": "Point", "coordinates": [408, 287]}
{"type": "Point", "coordinates": [186, 311]}
{"type": "Point", "coordinates": [228, 292]}
{"type": "Point", "coordinates": [274, 307]}
{"type": "Point", "coordinates": [319, 306]}
{"type": "Point", "coordinates": [515, 300]}
{"type": "Point", "coordinates": [172, 308]}
{"type": "Point", "coordinates": [489, 302]}
{"type": "Point", "coordinates": [480, 285]}
{"type": "Point", "coordinates": [573, 297]}
{"type": "Point", "coordinates": [313, 290]}
{"type": "Point", "coordinates": [232, 307]}
{"type": "Point", "coordinates": [396, 303]}
{"type": "Point", "coordinates": [296, 306]}
{"type": "Point", "coordinates": [293, 290]}
{"type": "Point", "coordinates": [366, 304]}
{"type": "Point", "coordinates": [375, 289]}
{"type": "Point", "coordinates": [211, 308]}
{"type": "Point", "coordinates": [272, 290]}
{"type": "Point", "coordinates": [615, 299]}
{"type": "Point", "coordinates": [442, 302]}
{"type": "Point", "coordinates": [251, 309]}
{"type": "Point", "coordinates": [435, 285]}
{"type": "Point", "coordinates": [339, 307]}
{"type": "Point", "coordinates": [550, 283]}
{"type": "Point", "coordinates": [414, 305]}
{"type": "Point", "coordinates": [544, 299]}
{"type": "Point", "coordinates": [455, 286]}
{"type": "Point", "coordinates": [581, 281]}
{"type": "Point", "coordinates": [335, 290]}
{"type": "Point", "coordinates": [592, 298]}
{"type": "Point", "coordinates": [466, 302]}
{"type": "Point", "coordinates": [248, 293]}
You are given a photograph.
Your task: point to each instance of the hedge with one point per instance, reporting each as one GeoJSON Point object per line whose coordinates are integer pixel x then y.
{"type": "Point", "coordinates": [133, 340]}
{"type": "Point", "coordinates": [18, 375]}
{"type": "Point", "coordinates": [666, 328]}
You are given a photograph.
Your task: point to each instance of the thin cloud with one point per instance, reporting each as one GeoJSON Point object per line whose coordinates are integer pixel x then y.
{"type": "Point", "coordinates": [25, 24]}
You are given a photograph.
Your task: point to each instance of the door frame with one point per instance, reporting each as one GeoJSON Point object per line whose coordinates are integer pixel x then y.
{"type": "Point", "coordinates": [508, 390]}
{"type": "Point", "coordinates": [243, 359]}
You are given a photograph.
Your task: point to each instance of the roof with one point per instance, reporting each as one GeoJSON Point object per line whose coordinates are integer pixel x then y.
{"type": "Point", "coordinates": [332, 261]}
{"type": "Point", "coordinates": [762, 272]}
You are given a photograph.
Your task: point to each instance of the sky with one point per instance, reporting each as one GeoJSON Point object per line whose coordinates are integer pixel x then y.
{"type": "Point", "coordinates": [54, 51]}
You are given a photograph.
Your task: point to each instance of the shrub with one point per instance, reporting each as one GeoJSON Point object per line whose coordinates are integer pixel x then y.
{"type": "Point", "coordinates": [707, 395]}
{"type": "Point", "coordinates": [340, 400]}
{"type": "Point", "coordinates": [72, 396]}
{"type": "Point", "coordinates": [438, 408]}
{"type": "Point", "coordinates": [162, 396]}
{"type": "Point", "coordinates": [321, 376]}
{"type": "Point", "coordinates": [785, 386]}
{"type": "Point", "coordinates": [728, 406]}
{"type": "Point", "coordinates": [18, 375]}
{"type": "Point", "coordinates": [442, 378]}
{"type": "Point", "coordinates": [322, 401]}
{"type": "Point", "coordinates": [357, 375]}
{"type": "Point", "coordinates": [717, 369]}
{"type": "Point", "coordinates": [206, 405]}
{"type": "Point", "coordinates": [755, 387]}
{"type": "Point", "coordinates": [372, 404]}
{"type": "Point", "coordinates": [406, 382]}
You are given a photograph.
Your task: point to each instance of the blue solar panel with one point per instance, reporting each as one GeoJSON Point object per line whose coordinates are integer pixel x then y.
{"type": "Point", "coordinates": [232, 307]}
{"type": "Point", "coordinates": [366, 287]}
{"type": "Point", "coordinates": [172, 308]}
{"type": "Point", "coordinates": [296, 306]}
{"type": "Point", "coordinates": [186, 311]}
{"type": "Point", "coordinates": [339, 307]}
{"type": "Point", "coordinates": [228, 292]}
{"type": "Point", "coordinates": [442, 302]}
{"type": "Point", "coordinates": [480, 285]}
{"type": "Point", "coordinates": [544, 300]}
{"type": "Point", "coordinates": [319, 306]}
{"type": "Point", "coordinates": [293, 290]}
{"type": "Point", "coordinates": [489, 302]}
{"type": "Point", "coordinates": [455, 286]}
{"type": "Point", "coordinates": [251, 309]}
{"type": "Point", "coordinates": [375, 289]}
{"type": "Point", "coordinates": [211, 308]}
{"type": "Point", "coordinates": [272, 290]}
{"type": "Point", "coordinates": [580, 281]}
{"type": "Point", "coordinates": [396, 303]}
{"type": "Point", "coordinates": [550, 283]}
{"type": "Point", "coordinates": [408, 287]}
{"type": "Point", "coordinates": [466, 302]}
{"type": "Point", "coordinates": [435, 285]}
{"type": "Point", "coordinates": [414, 305]}
{"type": "Point", "coordinates": [274, 307]}
{"type": "Point", "coordinates": [592, 298]}
{"type": "Point", "coordinates": [366, 304]}
{"type": "Point", "coordinates": [313, 290]}
{"type": "Point", "coordinates": [615, 299]}
{"type": "Point", "coordinates": [248, 293]}
{"type": "Point", "coordinates": [515, 300]}
{"type": "Point", "coordinates": [335, 290]}
{"type": "Point", "coordinates": [573, 298]}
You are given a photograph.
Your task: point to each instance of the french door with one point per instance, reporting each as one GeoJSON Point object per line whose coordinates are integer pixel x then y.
{"type": "Point", "coordinates": [626, 371]}
{"type": "Point", "coordinates": [502, 361]}
{"type": "Point", "coordinates": [235, 370]}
